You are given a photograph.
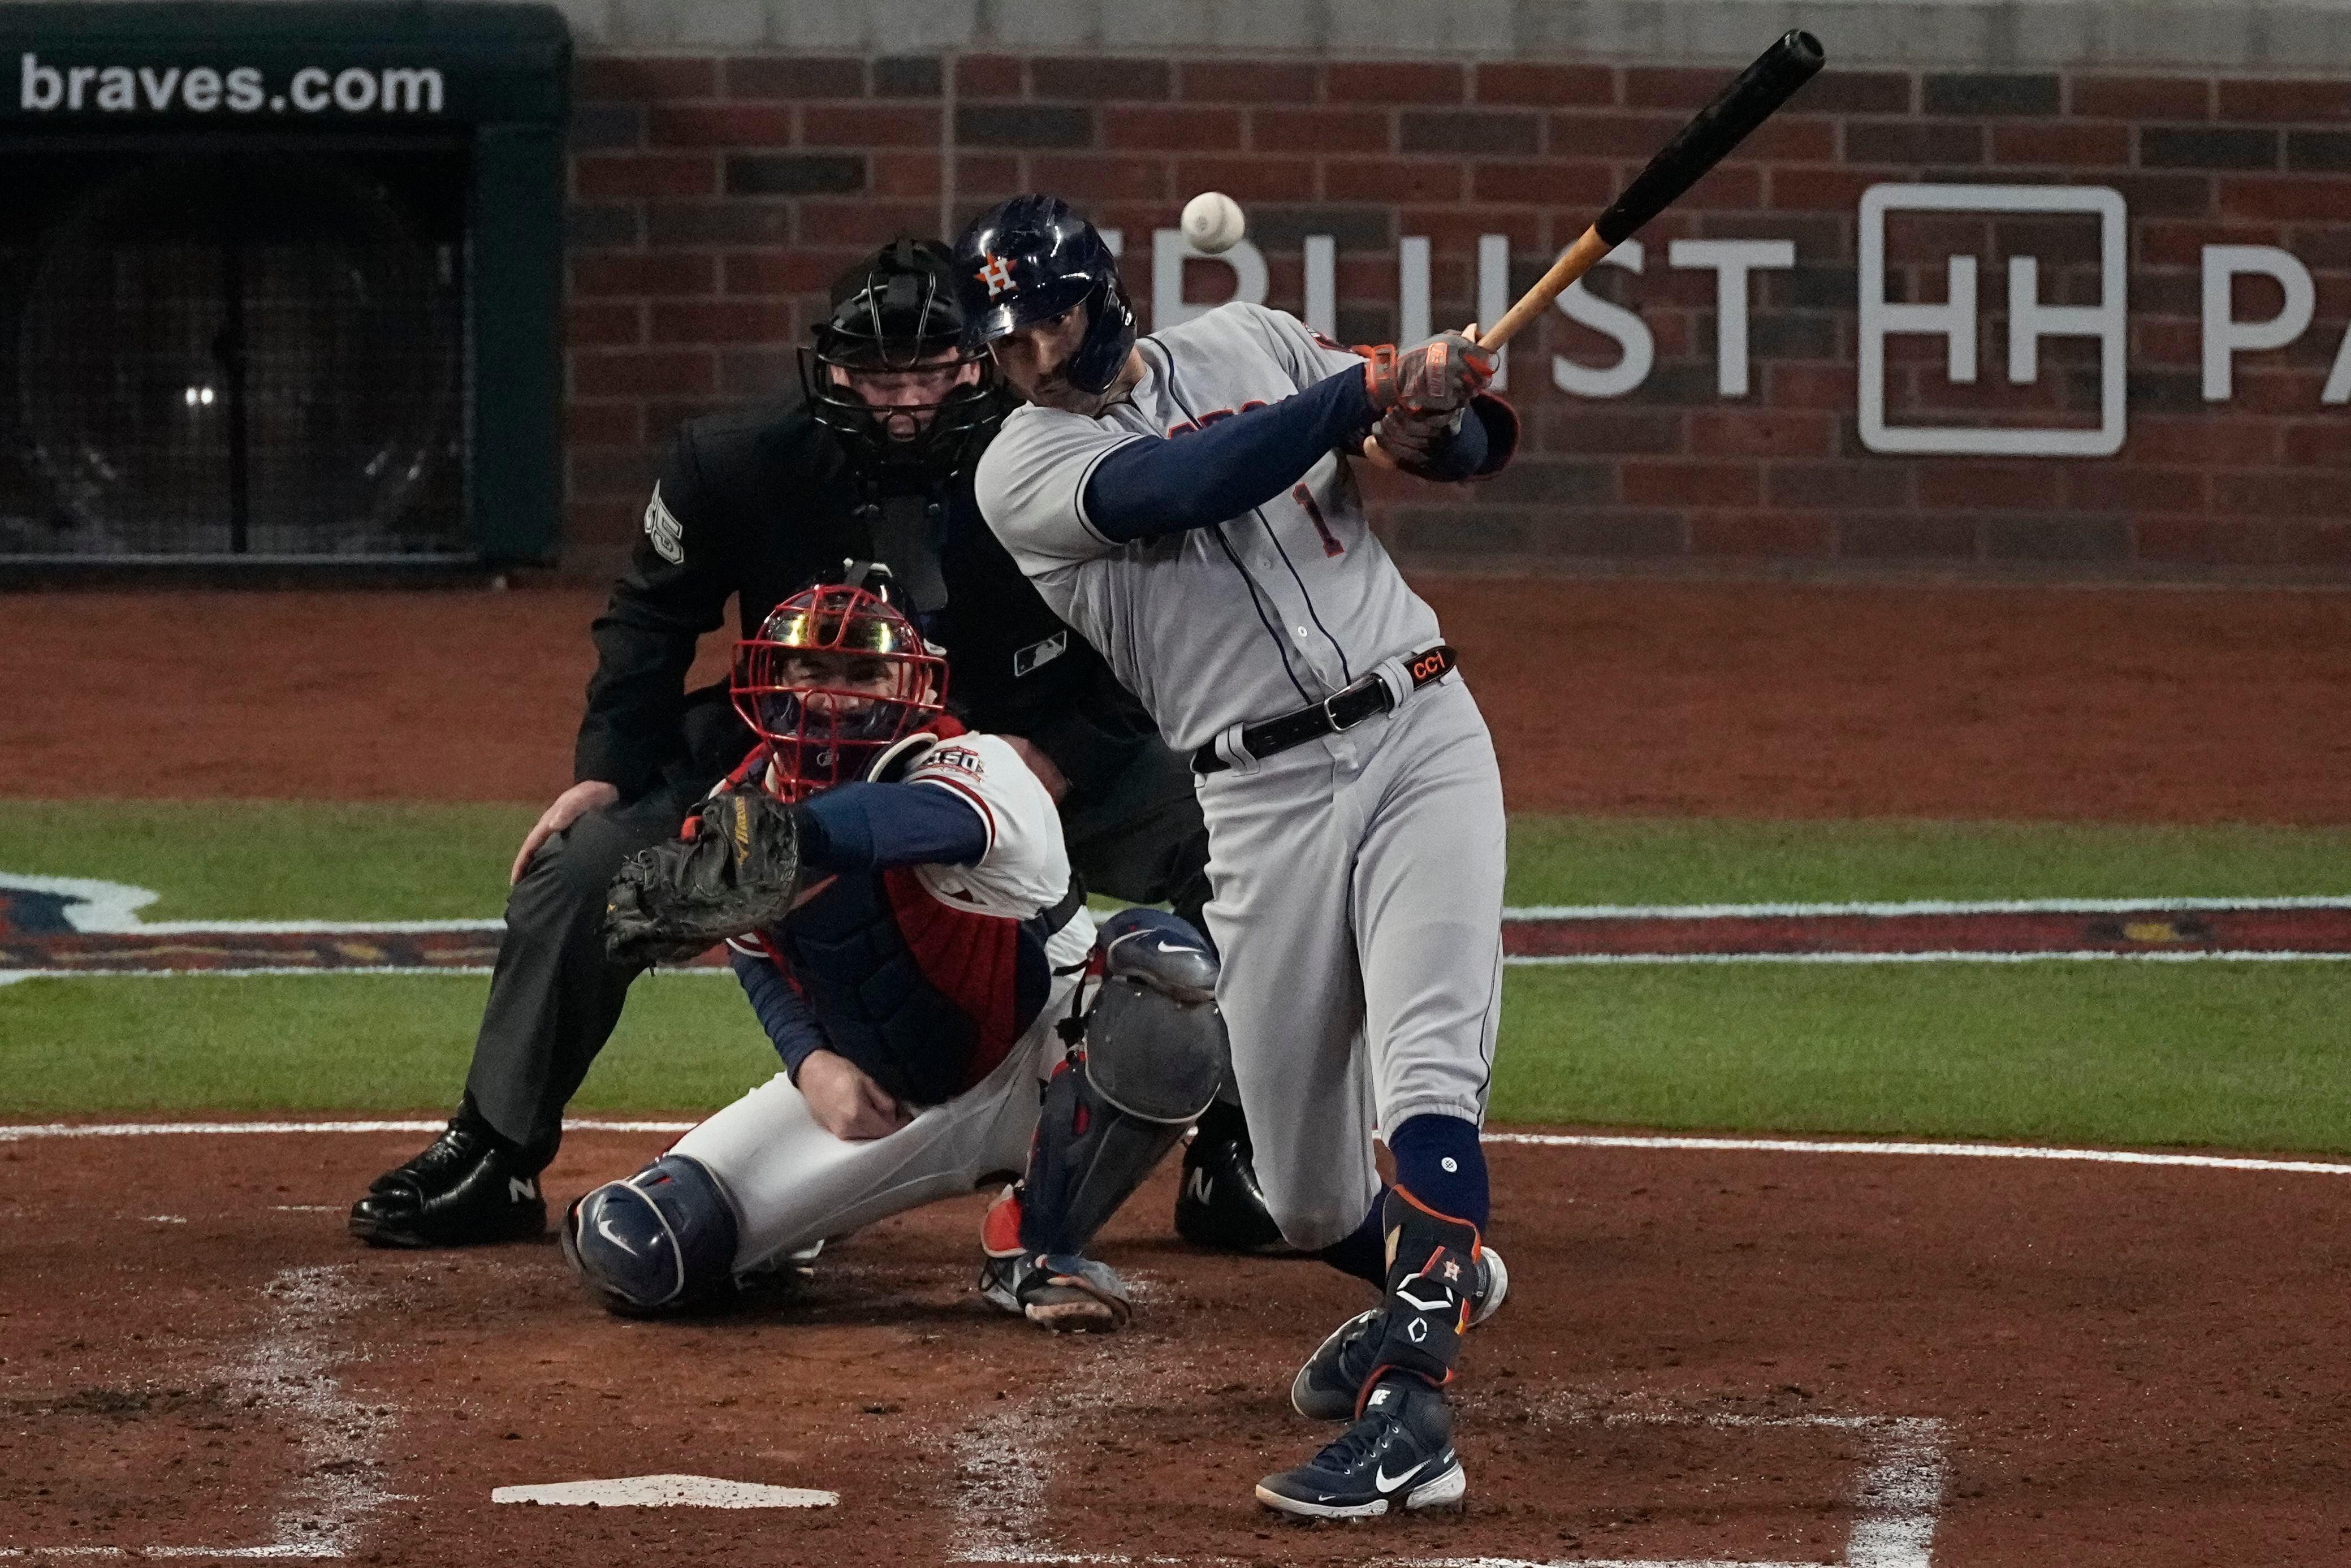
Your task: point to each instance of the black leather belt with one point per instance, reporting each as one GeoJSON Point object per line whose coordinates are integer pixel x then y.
{"type": "Point", "coordinates": [1367, 698]}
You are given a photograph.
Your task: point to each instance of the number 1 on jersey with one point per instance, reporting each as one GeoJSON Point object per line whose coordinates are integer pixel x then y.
{"type": "Point", "coordinates": [1305, 498]}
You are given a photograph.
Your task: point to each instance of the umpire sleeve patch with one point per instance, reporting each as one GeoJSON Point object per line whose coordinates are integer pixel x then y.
{"type": "Point", "coordinates": [668, 536]}
{"type": "Point", "coordinates": [1038, 654]}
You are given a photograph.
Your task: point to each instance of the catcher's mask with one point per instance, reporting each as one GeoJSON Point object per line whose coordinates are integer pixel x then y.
{"type": "Point", "coordinates": [890, 372]}
{"type": "Point", "coordinates": [836, 675]}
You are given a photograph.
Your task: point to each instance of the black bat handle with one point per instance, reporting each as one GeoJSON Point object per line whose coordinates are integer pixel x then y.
{"type": "Point", "coordinates": [1718, 128]}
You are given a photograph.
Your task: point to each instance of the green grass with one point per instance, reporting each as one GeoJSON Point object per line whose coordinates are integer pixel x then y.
{"type": "Point", "coordinates": [2234, 1055]}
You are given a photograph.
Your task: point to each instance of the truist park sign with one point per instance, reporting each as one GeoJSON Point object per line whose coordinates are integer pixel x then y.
{"type": "Point", "coordinates": [1881, 316]}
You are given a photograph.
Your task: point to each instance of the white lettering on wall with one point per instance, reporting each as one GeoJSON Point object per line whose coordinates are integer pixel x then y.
{"type": "Point", "coordinates": [1170, 250]}
{"type": "Point", "coordinates": [2225, 337]}
{"type": "Point", "coordinates": [242, 89]}
{"type": "Point", "coordinates": [1636, 348]}
{"type": "Point", "coordinates": [1732, 260]}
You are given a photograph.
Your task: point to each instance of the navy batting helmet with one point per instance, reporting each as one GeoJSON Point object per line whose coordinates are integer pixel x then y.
{"type": "Point", "coordinates": [1029, 259]}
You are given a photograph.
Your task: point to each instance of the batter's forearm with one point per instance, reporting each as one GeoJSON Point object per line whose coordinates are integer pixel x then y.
{"type": "Point", "coordinates": [1222, 470]}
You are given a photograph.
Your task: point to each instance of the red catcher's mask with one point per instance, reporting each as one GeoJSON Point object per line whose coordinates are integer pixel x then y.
{"type": "Point", "coordinates": [836, 677]}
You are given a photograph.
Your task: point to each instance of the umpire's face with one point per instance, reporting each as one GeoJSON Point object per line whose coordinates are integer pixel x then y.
{"type": "Point", "coordinates": [1030, 359]}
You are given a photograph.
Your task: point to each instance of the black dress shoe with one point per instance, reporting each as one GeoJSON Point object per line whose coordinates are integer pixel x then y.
{"type": "Point", "coordinates": [469, 1186]}
{"type": "Point", "coordinates": [1218, 1205]}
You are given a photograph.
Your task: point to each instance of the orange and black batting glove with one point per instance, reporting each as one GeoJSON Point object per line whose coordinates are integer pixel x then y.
{"type": "Point", "coordinates": [1435, 376]}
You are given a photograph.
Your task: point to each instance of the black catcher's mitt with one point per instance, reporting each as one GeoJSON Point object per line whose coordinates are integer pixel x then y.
{"type": "Point", "coordinates": [737, 873]}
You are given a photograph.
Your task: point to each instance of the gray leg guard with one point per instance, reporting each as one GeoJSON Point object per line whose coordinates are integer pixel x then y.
{"type": "Point", "coordinates": [1154, 1052]}
{"type": "Point", "coordinates": [655, 1243]}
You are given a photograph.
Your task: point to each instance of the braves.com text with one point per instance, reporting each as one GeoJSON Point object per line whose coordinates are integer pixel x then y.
{"type": "Point", "coordinates": [238, 89]}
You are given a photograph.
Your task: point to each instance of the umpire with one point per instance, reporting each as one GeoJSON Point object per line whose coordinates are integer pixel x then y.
{"type": "Point", "coordinates": [874, 464]}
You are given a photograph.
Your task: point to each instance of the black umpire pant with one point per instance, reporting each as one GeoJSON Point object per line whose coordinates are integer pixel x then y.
{"type": "Point", "coordinates": [555, 999]}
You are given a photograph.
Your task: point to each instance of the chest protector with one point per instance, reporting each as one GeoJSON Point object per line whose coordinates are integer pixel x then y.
{"type": "Point", "coordinates": [926, 1000]}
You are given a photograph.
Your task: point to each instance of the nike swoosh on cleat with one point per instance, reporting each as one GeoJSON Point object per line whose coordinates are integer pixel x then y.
{"type": "Point", "coordinates": [1387, 1483]}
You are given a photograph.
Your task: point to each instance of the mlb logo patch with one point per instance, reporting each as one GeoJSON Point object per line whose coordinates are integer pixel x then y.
{"type": "Point", "coordinates": [1039, 653]}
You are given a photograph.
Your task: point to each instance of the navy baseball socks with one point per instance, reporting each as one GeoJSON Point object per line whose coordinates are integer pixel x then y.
{"type": "Point", "coordinates": [1388, 1368]}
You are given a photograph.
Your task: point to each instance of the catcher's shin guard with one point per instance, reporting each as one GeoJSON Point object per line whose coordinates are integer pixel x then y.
{"type": "Point", "coordinates": [1150, 1054]}
{"type": "Point", "coordinates": [656, 1243]}
{"type": "Point", "coordinates": [1433, 1273]}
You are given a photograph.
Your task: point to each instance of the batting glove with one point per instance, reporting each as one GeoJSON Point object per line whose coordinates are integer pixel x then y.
{"type": "Point", "coordinates": [1437, 376]}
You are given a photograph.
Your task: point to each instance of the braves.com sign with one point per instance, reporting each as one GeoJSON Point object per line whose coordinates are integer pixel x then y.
{"type": "Point", "coordinates": [46, 89]}
{"type": "Point", "coordinates": [2032, 319]}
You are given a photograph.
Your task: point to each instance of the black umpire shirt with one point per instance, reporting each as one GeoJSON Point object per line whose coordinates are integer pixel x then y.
{"type": "Point", "coordinates": [756, 504]}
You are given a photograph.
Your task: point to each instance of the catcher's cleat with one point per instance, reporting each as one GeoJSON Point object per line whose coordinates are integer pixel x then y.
{"type": "Point", "coordinates": [1327, 1386]}
{"type": "Point", "coordinates": [1061, 1292]}
{"type": "Point", "coordinates": [1399, 1454]}
{"type": "Point", "coordinates": [1218, 1205]}
{"type": "Point", "coordinates": [469, 1186]}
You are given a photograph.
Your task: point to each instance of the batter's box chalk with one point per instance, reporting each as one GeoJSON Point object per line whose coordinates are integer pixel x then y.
{"type": "Point", "coordinates": [667, 1491]}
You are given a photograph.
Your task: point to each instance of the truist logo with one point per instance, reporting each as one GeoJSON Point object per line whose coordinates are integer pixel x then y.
{"type": "Point", "coordinates": [237, 89]}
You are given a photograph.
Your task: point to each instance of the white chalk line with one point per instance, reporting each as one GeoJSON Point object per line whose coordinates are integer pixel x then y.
{"type": "Point", "coordinates": [1663, 1141]}
{"type": "Point", "coordinates": [1911, 906]}
{"type": "Point", "coordinates": [290, 1367]}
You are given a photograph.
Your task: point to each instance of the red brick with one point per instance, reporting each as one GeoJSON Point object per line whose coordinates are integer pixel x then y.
{"type": "Point", "coordinates": [861, 222]}
{"type": "Point", "coordinates": [904, 175]}
{"type": "Point", "coordinates": [1160, 128]}
{"type": "Point", "coordinates": [2141, 97]}
{"type": "Point", "coordinates": [1837, 189]}
{"type": "Point", "coordinates": [730, 322]}
{"type": "Point", "coordinates": [2284, 197]}
{"type": "Point", "coordinates": [2122, 488]}
{"type": "Point", "coordinates": [646, 174]}
{"type": "Point", "coordinates": [1242, 81]}
{"type": "Point", "coordinates": [1455, 223]}
{"type": "Point", "coordinates": [608, 523]}
{"type": "Point", "coordinates": [1852, 485]}
{"type": "Point", "coordinates": [2319, 544]}
{"type": "Point", "coordinates": [1090, 77]}
{"type": "Point", "coordinates": [1083, 178]}
{"type": "Point", "coordinates": [1367, 81]}
{"type": "Point", "coordinates": [1858, 92]}
{"type": "Point", "coordinates": [1978, 484]}
{"type": "Point", "coordinates": [604, 424]}
{"type": "Point", "coordinates": [862, 125]}
{"type": "Point", "coordinates": [988, 173]}
{"type": "Point", "coordinates": [2098, 146]}
{"type": "Point", "coordinates": [638, 80]}
{"type": "Point", "coordinates": [1688, 88]}
{"type": "Point", "coordinates": [1322, 131]}
{"type": "Point", "coordinates": [1391, 180]}
{"type": "Point", "coordinates": [1732, 186]}
{"type": "Point", "coordinates": [2167, 342]}
{"type": "Point", "coordinates": [641, 373]}
{"type": "Point", "coordinates": [799, 270]}
{"type": "Point", "coordinates": [638, 273]}
{"type": "Point", "coordinates": [2181, 542]}
{"type": "Point", "coordinates": [2163, 244]}
{"type": "Point", "coordinates": [2283, 494]}
{"type": "Point", "coordinates": [1810, 386]}
{"type": "Point", "coordinates": [2164, 196]}
{"type": "Point", "coordinates": [987, 75]}
{"type": "Point", "coordinates": [2285, 100]}
{"type": "Point", "coordinates": [604, 325]}
{"type": "Point", "coordinates": [1618, 135]}
{"type": "Point", "coordinates": [1907, 535]}
{"type": "Point", "coordinates": [720, 125]}
{"type": "Point", "coordinates": [1780, 534]}
{"type": "Point", "coordinates": [2212, 438]}
{"type": "Point", "coordinates": [608, 470]}
{"type": "Point", "coordinates": [1761, 433]}
{"type": "Point", "coordinates": [2315, 443]}
{"type": "Point", "coordinates": [1544, 85]}
{"type": "Point", "coordinates": [793, 77]}
{"type": "Point", "coordinates": [1546, 183]}
{"type": "Point", "coordinates": [1791, 138]}
{"type": "Point", "coordinates": [1691, 484]}
{"type": "Point", "coordinates": [1580, 426]}
{"type": "Point", "coordinates": [1249, 179]}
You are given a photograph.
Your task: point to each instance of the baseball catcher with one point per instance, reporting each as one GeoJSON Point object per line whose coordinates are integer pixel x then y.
{"type": "Point", "coordinates": [905, 924]}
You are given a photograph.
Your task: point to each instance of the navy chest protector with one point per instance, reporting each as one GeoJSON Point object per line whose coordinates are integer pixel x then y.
{"type": "Point", "coordinates": [924, 1025]}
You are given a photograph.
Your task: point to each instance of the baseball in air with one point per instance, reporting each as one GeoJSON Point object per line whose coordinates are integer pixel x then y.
{"type": "Point", "coordinates": [1213, 222]}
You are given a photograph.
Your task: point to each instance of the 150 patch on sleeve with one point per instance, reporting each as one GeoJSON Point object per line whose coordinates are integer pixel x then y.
{"type": "Point", "coordinates": [667, 534]}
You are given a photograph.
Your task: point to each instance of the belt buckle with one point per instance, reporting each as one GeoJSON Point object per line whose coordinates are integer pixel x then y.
{"type": "Point", "coordinates": [1330, 706]}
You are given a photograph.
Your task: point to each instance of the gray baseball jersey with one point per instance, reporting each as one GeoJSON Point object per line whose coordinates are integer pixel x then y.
{"type": "Point", "coordinates": [1358, 878]}
{"type": "Point", "coordinates": [1220, 626]}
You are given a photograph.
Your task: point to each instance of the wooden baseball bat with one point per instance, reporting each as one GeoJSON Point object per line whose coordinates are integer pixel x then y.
{"type": "Point", "coordinates": [1750, 99]}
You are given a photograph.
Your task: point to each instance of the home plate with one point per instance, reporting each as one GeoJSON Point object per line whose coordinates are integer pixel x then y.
{"type": "Point", "coordinates": [667, 1491]}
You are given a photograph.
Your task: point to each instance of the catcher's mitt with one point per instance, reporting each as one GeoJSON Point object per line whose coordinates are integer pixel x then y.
{"type": "Point", "coordinates": [737, 875]}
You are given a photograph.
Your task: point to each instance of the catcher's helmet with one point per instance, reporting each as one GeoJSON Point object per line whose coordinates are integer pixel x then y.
{"type": "Point", "coordinates": [836, 677]}
{"type": "Point", "coordinates": [1029, 259]}
{"type": "Point", "coordinates": [897, 314]}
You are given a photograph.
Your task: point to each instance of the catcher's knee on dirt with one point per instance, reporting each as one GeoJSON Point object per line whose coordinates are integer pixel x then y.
{"type": "Point", "coordinates": [657, 1242]}
{"type": "Point", "coordinates": [1151, 1054]}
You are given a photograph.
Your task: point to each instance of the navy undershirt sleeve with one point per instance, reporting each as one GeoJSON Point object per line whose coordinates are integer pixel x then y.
{"type": "Point", "coordinates": [790, 1027]}
{"type": "Point", "coordinates": [1217, 473]}
{"type": "Point", "coordinates": [864, 827]}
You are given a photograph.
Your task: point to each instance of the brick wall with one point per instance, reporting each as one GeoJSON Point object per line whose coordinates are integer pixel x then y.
{"type": "Point", "coordinates": [712, 199]}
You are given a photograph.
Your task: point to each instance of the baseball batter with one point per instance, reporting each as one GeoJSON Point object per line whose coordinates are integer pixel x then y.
{"type": "Point", "coordinates": [934, 961]}
{"type": "Point", "coordinates": [1186, 502]}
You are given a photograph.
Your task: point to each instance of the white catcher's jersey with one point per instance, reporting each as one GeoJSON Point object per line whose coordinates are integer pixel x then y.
{"type": "Point", "coordinates": [1026, 866]}
{"type": "Point", "coordinates": [1209, 627]}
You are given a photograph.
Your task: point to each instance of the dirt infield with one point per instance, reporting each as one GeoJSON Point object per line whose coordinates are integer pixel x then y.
{"type": "Point", "coordinates": [1727, 1357]}
{"type": "Point", "coordinates": [1661, 698]}
{"type": "Point", "coordinates": [1709, 1356]}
